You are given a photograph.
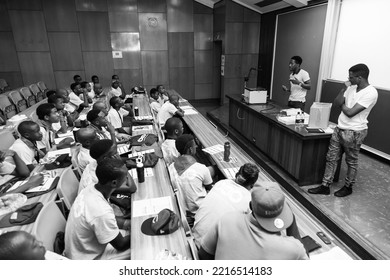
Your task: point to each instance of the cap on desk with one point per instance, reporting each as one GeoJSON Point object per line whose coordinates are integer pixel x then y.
{"type": "Point", "coordinates": [165, 222]}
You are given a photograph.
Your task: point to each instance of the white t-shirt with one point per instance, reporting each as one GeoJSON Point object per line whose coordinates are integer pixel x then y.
{"type": "Point", "coordinates": [47, 139]}
{"type": "Point", "coordinates": [155, 105]}
{"type": "Point", "coordinates": [116, 117]}
{"type": "Point", "coordinates": [6, 168]}
{"type": "Point", "coordinates": [24, 152]}
{"type": "Point", "coordinates": [70, 107]}
{"type": "Point", "coordinates": [190, 184]}
{"type": "Point", "coordinates": [169, 150]}
{"type": "Point", "coordinates": [88, 178]}
{"type": "Point", "coordinates": [366, 97]}
{"type": "Point", "coordinates": [116, 92]}
{"type": "Point", "coordinates": [90, 227]}
{"type": "Point", "coordinates": [167, 111]}
{"type": "Point", "coordinates": [83, 158]}
{"type": "Point", "coordinates": [297, 92]}
{"type": "Point", "coordinates": [74, 99]}
{"type": "Point", "coordinates": [226, 196]}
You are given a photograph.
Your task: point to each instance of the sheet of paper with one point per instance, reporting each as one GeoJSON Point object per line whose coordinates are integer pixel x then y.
{"type": "Point", "coordinates": [141, 153]}
{"type": "Point", "coordinates": [56, 153]}
{"type": "Point", "coordinates": [140, 118]}
{"type": "Point", "coordinates": [190, 112]}
{"type": "Point", "coordinates": [186, 107]}
{"type": "Point", "coordinates": [152, 206]}
{"type": "Point", "coordinates": [231, 159]}
{"type": "Point", "coordinates": [214, 149]}
{"type": "Point", "coordinates": [148, 172]}
{"type": "Point", "coordinates": [231, 172]}
{"type": "Point", "coordinates": [66, 134]}
{"type": "Point", "coordinates": [58, 140]}
{"type": "Point", "coordinates": [142, 128]}
{"type": "Point", "coordinates": [47, 181]}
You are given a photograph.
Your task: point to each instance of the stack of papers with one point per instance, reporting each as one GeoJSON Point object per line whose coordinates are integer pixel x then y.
{"type": "Point", "coordinates": [142, 128]}
{"type": "Point", "coordinates": [231, 172]}
{"type": "Point", "coordinates": [152, 206]}
{"type": "Point", "coordinates": [286, 119]}
{"type": "Point", "coordinates": [291, 111]}
{"type": "Point", "coordinates": [214, 149]}
{"type": "Point", "coordinates": [47, 182]}
{"type": "Point", "coordinates": [140, 118]}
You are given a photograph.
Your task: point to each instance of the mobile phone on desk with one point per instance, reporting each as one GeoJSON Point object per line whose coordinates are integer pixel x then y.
{"type": "Point", "coordinates": [323, 237]}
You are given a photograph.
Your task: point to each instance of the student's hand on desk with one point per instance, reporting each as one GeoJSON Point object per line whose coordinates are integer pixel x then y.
{"type": "Point", "coordinates": [6, 153]}
{"type": "Point", "coordinates": [36, 180]}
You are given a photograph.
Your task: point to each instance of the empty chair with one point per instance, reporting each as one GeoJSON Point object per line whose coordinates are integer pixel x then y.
{"type": "Point", "coordinates": [7, 139]}
{"type": "Point", "coordinates": [48, 223]}
{"type": "Point", "coordinates": [7, 108]}
{"type": "Point", "coordinates": [3, 85]}
{"type": "Point", "coordinates": [68, 187]}
{"type": "Point", "coordinates": [36, 92]}
{"type": "Point", "coordinates": [18, 100]}
{"type": "Point", "coordinates": [42, 87]}
{"type": "Point", "coordinates": [28, 96]}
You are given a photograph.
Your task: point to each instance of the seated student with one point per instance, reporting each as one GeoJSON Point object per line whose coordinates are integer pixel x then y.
{"type": "Point", "coordinates": [50, 93]}
{"type": "Point", "coordinates": [77, 78]}
{"type": "Point", "coordinates": [100, 105]}
{"type": "Point", "coordinates": [116, 78]}
{"type": "Point", "coordinates": [47, 115]}
{"type": "Point", "coordinates": [163, 94]}
{"type": "Point", "coordinates": [256, 235]}
{"type": "Point", "coordinates": [225, 196]}
{"type": "Point", "coordinates": [169, 109]}
{"type": "Point", "coordinates": [154, 101]}
{"type": "Point", "coordinates": [20, 245]}
{"type": "Point", "coordinates": [116, 114]}
{"type": "Point", "coordinates": [191, 178]}
{"type": "Point", "coordinates": [66, 119]}
{"type": "Point", "coordinates": [86, 137]}
{"type": "Point", "coordinates": [26, 146]}
{"type": "Point", "coordinates": [103, 128]}
{"type": "Point", "coordinates": [174, 128]}
{"type": "Point", "coordinates": [92, 231]}
{"type": "Point", "coordinates": [94, 80]}
{"type": "Point", "coordinates": [115, 89]}
{"type": "Point", "coordinates": [86, 87]}
{"type": "Point", "coordinates": [74, 96]}
{"type": "Point", "coordinates": [101, 150]}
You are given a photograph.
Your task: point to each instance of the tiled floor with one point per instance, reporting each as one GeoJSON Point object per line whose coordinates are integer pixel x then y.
{"type": "Point", "coordinates": [366, 212]}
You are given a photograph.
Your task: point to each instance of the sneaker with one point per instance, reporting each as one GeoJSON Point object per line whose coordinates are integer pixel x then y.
{"type": "Point", "coordinates": [319, 190]}
{"type": "Point", "coordinates": [344, 191]}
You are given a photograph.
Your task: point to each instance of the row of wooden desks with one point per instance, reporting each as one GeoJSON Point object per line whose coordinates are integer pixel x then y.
{"type": "Point", "coordinates": [209, 135]}
{"type": "Point", "coordinates": [156, 190]}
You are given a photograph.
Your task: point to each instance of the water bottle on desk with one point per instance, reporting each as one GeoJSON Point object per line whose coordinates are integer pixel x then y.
{"type": "Point", "coordinates": [140, 170]}
{"type": "Point", "coordinates": [226, 152]}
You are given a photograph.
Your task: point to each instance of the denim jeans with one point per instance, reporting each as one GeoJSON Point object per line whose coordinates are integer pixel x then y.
{"type": "Point", "coordinates": [348, 142]}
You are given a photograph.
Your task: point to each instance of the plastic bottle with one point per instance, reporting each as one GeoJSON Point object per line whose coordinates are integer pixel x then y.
{"type": "Point", "coordinates": [226, 152]}
{"type": "Point", "coordinates": [140, 172]}
{"type": "Point", "coordinates": [297, 119]}
{"type": "Point", "coordinates": [136, 111]}
{"type": "Point", "coordinates": [302, 120]}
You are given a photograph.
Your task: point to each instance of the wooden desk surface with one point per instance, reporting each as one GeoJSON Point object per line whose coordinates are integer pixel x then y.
{"type": "Point", "coordinates": [144, 247]}
{"type": "Point", "coordinates": [208, 135]}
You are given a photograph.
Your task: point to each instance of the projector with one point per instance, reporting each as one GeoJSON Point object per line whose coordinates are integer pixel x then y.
{"type": "Point", "coordinates": [255, 96]}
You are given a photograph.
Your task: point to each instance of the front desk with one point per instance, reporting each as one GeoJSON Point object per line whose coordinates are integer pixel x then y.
{"type": "Point", "coordinates": [299, 153]}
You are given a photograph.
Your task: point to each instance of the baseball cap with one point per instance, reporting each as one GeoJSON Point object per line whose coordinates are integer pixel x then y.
{"type": "Point", "coordinates": [270, 208]}
{"type": "Point", "coordinates": [165, 222]}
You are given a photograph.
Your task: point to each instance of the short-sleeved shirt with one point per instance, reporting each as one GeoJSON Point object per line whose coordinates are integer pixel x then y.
{"type": "Point", "coordinates": [297, 92]}
{"type": "Point", "coordinates": [116, 117]}
{"type": "Point", "coordinates": [47, 141]}
{"type": "Point", "coordinates": [190, 183]}
{"type": "Point", "coordinates": [169, 150]}
{"type": "Point", "coordinates": [116, 92]}
{"type": "Point", "coordinates": [88, 178]}
{"type": "Point", "coordinates": [167, 111]}
{"type": "Point", "coordinates": [83, 159]}
{"type": "Point", "coordinates": [25, 153]}
{"type": "Point", "coordinates": [155, 105]}
{"type": "Point", "coordinates": [226, 196]}
{"type": "Point", "coordinates": [74, 99]}
{"type": "Point", "coordinates": [90, 227]}
{"type": "Point", "coordinates": [367, 98]}
{"type": "Point", "coordinates": [238, 236]}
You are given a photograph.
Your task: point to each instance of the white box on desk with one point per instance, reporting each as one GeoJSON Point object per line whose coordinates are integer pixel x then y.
{"type": "Point", "coordinates": [255, 96]}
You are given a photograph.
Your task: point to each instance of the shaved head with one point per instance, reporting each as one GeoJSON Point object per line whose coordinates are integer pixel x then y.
{"type": "Point", "coordinates": [20, 245]}
{"type": "Point", "coordinates": [174, 127]}
{"type": "Point", "coordinates": [86, 136]}
{"type": "Point", "coordinates": [101, 106]}
{"type": "Point", "coordinates": [26, 127]}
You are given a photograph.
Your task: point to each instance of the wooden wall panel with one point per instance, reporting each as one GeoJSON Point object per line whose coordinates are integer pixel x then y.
{"type": "Point", "coordinates": [5, 23]}
{"type": "Point", "coordinates": [250, 37]}
{"type": "Point", "coordinates": [14, 79]}
{"type": "Point", "coordinates": [233, 65]}
{"type": "Point", "coordinates": [24, 5]}
{"type": "Point", "coordinates": [122, 5]}
{"type": "Point", "coordinates": [153, 31]}
{"type": "Point", "coordinates": [66, 51]}
{"type": "Point", "coordinates": [180, 15]}
{"type": "Point", "coordinates": [123, 21]}
{"type": "Point", "coordinates": [204, 91]}
{"type": "Point", "coordinates": [65, 78]}
{"type": "Point", "coordinates": [182, 80]}
{"type": "Point", "coordinates": [129, 78]}
{"type": "Point", "coordinates": [152, 6]}
{"type": "Point", "coordinates": [30, 62]}
{"type": "Point", "coordinates": [101, 64]}
{"type": "Point", "coordinates": [91, 5]}
{"type": "Point", "coordinates": [249, 61]}
{"type": "Point", "coordinates": [233, 38]}
{"type": "Point", "coordinates": [94, 31]}
{"type": "Point", "coordinates": [181, 49]}
{"type": "Point", "coordinates": [234, 86]}
{"type": "Point", "coordinates": [29, 30]}
{"type": "Point", "coordinates": [234, 12]}
{"type": "Point", "coordinates": [155, 67]}
{"type": "Point", "coordinates": [60, 15]}
{"type": "Point", "coordinates": [8, 55]}
{"type": "Point", "coordinates": [251, 16]}
{"type": "Point", "coordinates": [203, 40]}
{"type": "Point", "coordinates": [129, 44]}
{"type": "Point", "coordinates": [203, 67]}
{"type": "Point", "coordinates": [203, 23]}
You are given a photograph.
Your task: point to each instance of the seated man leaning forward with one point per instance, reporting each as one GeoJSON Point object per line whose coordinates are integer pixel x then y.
{"type": "Point", "coordinates": [191, 178]}
{"type": "Point", "coordinates": [169, 109]}
{"type": "Point", "coordinates": [257, 235]}
{"type": "Point", "coordinates": [174, 128]}
{"type": "Point", "coordinates": [85, 136]}
{"type": "Point", "coordinates": [92, 231]}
